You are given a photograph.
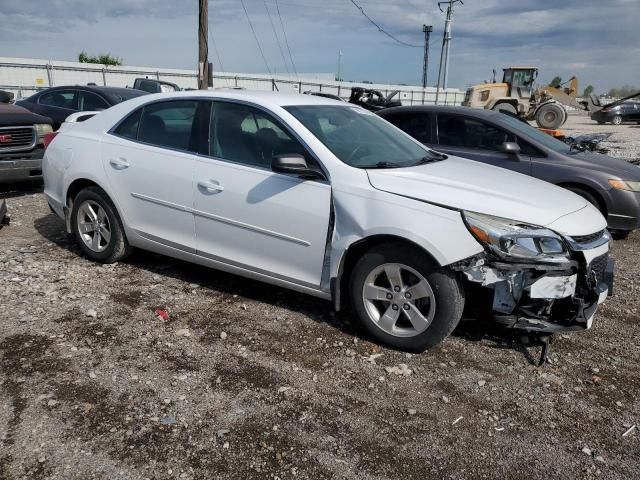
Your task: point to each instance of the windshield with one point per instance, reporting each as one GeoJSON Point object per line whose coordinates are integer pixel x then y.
{"type": "Point", "coordinates": [548, 141]}
{"type": "Point", "coordinates": [360, 138]}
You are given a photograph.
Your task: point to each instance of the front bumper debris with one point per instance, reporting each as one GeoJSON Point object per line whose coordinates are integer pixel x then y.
{"type": "Point", "coordinates": [540, 298]}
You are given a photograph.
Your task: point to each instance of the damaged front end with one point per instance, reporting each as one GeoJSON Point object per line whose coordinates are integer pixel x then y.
{"type": "Point", "coordinates": [526, 281]}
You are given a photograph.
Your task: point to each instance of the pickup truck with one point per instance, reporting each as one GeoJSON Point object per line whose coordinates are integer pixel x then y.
{"type": "Point", "coordinates": [21, 141]}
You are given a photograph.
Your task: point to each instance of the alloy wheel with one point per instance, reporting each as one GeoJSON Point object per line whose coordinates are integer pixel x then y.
{"type": "Point", "coordinates": [94, 226]}
{"type": "Point", "coordinates": [399, 300]}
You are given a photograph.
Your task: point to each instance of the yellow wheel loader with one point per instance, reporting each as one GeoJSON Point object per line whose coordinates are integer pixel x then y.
{"type": "Point", "coordinates": [516, 95]}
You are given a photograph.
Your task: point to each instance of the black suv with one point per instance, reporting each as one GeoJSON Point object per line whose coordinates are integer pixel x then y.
{"type": "Point", "coordinates": [21, 141]}
{"type": "Point", "coordinates": [60, 102]}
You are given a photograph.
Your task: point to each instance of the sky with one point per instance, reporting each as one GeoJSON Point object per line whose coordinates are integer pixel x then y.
{"type": "Point", "coordinates": [595, 40]}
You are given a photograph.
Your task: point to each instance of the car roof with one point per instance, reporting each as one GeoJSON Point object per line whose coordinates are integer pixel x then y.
{"type": "Point", "coordinates": [93, 88]}
{"type": "Point", "coordinates": [455, 110]}
{"type": "Point", "coordinates": [264, 98]}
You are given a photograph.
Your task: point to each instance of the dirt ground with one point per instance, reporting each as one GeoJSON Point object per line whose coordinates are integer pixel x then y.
{"type": "Point", "coordinates": [251, 381]}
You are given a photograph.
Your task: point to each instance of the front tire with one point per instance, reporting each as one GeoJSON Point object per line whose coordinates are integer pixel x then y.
{"type": "Point", "coordinates": [404, 299]}
{"type": "Point", "coordinates": [97, 226]}
{"type": "Point", "coordinates": [551, 116]}
{"type": "Point", "coordinates": [617, 120]}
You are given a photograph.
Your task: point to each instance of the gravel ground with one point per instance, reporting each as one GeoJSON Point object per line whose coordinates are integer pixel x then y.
{"type": "Point", "coordinates": [246, 380]}
{"type": "Point", "coordinates": [624, 141]}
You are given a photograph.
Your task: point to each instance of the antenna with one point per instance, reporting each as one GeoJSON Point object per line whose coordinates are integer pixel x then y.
{"type": "Point", "coordinates": [427, 29]}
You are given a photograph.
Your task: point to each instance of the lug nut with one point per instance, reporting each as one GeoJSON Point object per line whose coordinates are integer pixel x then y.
{"type": "Point", "coordinates": [406, 306]}
{"type": "Point", "coordinates": [394, 306]}
{"type": "Point", "coordinates": [389, 296]}
{"type": "Point", "coordinates": [396, 288]}
{"type": "Point", "coordinates": [407, 295]}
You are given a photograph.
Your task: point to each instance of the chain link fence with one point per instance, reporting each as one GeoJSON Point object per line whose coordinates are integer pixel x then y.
{"type": "Point", "coordinates": [24, 77]}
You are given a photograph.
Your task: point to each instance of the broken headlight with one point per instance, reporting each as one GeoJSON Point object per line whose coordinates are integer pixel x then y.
{"type": "Point", "coordinates": [516, 241]}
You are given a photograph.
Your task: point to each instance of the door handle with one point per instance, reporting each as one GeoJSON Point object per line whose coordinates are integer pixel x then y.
{"type": "Point", "coordinates": [210, 186]}
{"type": "Point", "coordinates": [119, 163]}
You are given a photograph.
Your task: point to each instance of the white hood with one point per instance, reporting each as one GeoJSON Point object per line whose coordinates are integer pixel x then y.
{"type": "Point", "coordinates": [476, 187]}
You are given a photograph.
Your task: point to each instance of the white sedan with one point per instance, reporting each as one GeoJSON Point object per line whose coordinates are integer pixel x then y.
{"type": "Point", "coordinates": [326, 198]}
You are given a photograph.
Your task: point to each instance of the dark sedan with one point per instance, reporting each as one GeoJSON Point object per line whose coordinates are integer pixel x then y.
{"type": "Point", "coordinates": [58, 103]}
{"type": "Point", "coordinates": [618, 114]}
{"type": "Point", "coordinates": [611, 184]}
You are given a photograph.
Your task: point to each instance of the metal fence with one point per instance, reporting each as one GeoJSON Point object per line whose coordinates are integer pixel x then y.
{"type": "Point", "coordinates": [24, 77]}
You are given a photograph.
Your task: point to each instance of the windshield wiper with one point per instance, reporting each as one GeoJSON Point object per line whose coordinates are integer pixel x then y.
{"type": "Point", "coordinates": [434, 157]}
{"type": "Point", "coordinates": [381, 165]}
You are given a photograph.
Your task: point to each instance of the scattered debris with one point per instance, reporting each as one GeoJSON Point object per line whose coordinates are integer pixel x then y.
{"type": "Point", "coordinates": [168, 421]}
{"type": "Point", "coordinates": [91, 313]}
{"type": "Point", "coordinates": [586, 450]}
{"type": "Point", "coordinates": [401, 369]}
{"type": "Point", "coordinates": [223, 335]}
{"type": "Point", "coordinates": [183, 332]}
{"type": "Point", "coordinates": [630, 431]}
{"type": "Point", "coordinates": [162, 314]}
{"type": "Point", "coordinates": [411, 411]}
{"type": "Point", "coordinates": [457, 420]}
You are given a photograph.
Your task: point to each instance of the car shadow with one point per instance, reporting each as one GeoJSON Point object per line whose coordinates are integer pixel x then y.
{"type": "Point", "coordinates": [499, 337]}
{"type": "Point", "coordinates": [14, 190]}
{"type": "Point", "coordinates": [320, 311]}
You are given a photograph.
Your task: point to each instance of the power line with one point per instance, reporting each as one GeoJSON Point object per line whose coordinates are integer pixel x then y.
{"type": "Point", "coordinates": [275, 34]}
{"type": "Point", "coordinates": [382, 30]}
{"type": "Point", "coordinates": [215, 49]}
{"type": "Point", "coordinates": [256, 37]}
{"type": "Point", "coordinates": [286, 40]}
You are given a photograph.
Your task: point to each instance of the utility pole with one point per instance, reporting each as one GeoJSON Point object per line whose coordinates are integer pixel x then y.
{"type": "Point", "coordinates": [203, 45]}
{"type": "Point", "coordinates": [427, 29]}
{"type": "Point", "coordinates": [446, 46]}
{"type": "Point", "coordinates": [339, 74]}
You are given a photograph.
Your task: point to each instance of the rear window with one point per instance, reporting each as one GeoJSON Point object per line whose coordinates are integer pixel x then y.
{"type": "Point", "coordinates": [123, 95]}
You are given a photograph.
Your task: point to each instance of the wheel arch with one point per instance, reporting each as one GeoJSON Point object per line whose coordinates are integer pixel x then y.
{"type": "Point", "coordinates": [602, 204]}
{"type": "Point", "coordinates": [340, 284]}
{"type": "Point", "coordinates": [496, 101]}
{"type": "Point", "coordinates": [75, 187]}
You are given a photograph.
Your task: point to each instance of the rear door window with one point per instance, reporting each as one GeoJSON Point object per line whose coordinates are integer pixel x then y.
{"type": "Point", "coordinates": [59, 98]}
{"type": "Point", "coordinates": [90, 102]}
{"type": "Point", "coordinates": [129, 127]}
{"type": "Point", "coordinates": [414, 123]}
{"type": "Point", "coordinates": [176, 124]}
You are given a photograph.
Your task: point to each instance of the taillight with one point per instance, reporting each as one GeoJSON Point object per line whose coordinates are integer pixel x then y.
{"type": "Point", "coordinates": [48, 138]}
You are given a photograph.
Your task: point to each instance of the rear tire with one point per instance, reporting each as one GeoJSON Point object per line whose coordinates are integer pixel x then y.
{"type": "Point", "coordinates": [551, 116]}
{"type": "Point", "coordinates": [403, 298]}
{"type": "Point", "coordinates": [617, 120]}
{"type": "Point", "coordinates": [97, 227]}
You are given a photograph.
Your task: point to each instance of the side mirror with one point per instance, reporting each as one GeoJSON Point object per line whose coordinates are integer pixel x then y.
{"type": "Point", "coordinates": [293, 164]}
{"type": "Point", "coordinates": [511, 148]}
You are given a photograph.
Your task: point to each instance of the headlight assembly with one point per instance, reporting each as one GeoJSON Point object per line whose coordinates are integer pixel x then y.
{"type": "Point", "coordinates": [625, 185]}
{"type": "Point", "coordinates": [516, 241]}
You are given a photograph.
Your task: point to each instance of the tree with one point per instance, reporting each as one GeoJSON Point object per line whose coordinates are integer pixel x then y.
{"type": "Point", "coordinates": [102, 59]}
{"type": "Point", "coordinates": [623, 91]}
{"type": "Point", "coordinates": [556, 82]}
{"type": "Point", "coordinates": [588, 91]}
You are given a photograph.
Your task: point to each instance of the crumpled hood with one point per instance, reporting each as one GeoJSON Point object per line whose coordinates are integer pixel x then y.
{"type": "Point", "coordinates": [473, 186]}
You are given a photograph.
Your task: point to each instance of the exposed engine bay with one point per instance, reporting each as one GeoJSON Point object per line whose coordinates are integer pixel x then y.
{"type": "Point", "coordinates": [538, 297]}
